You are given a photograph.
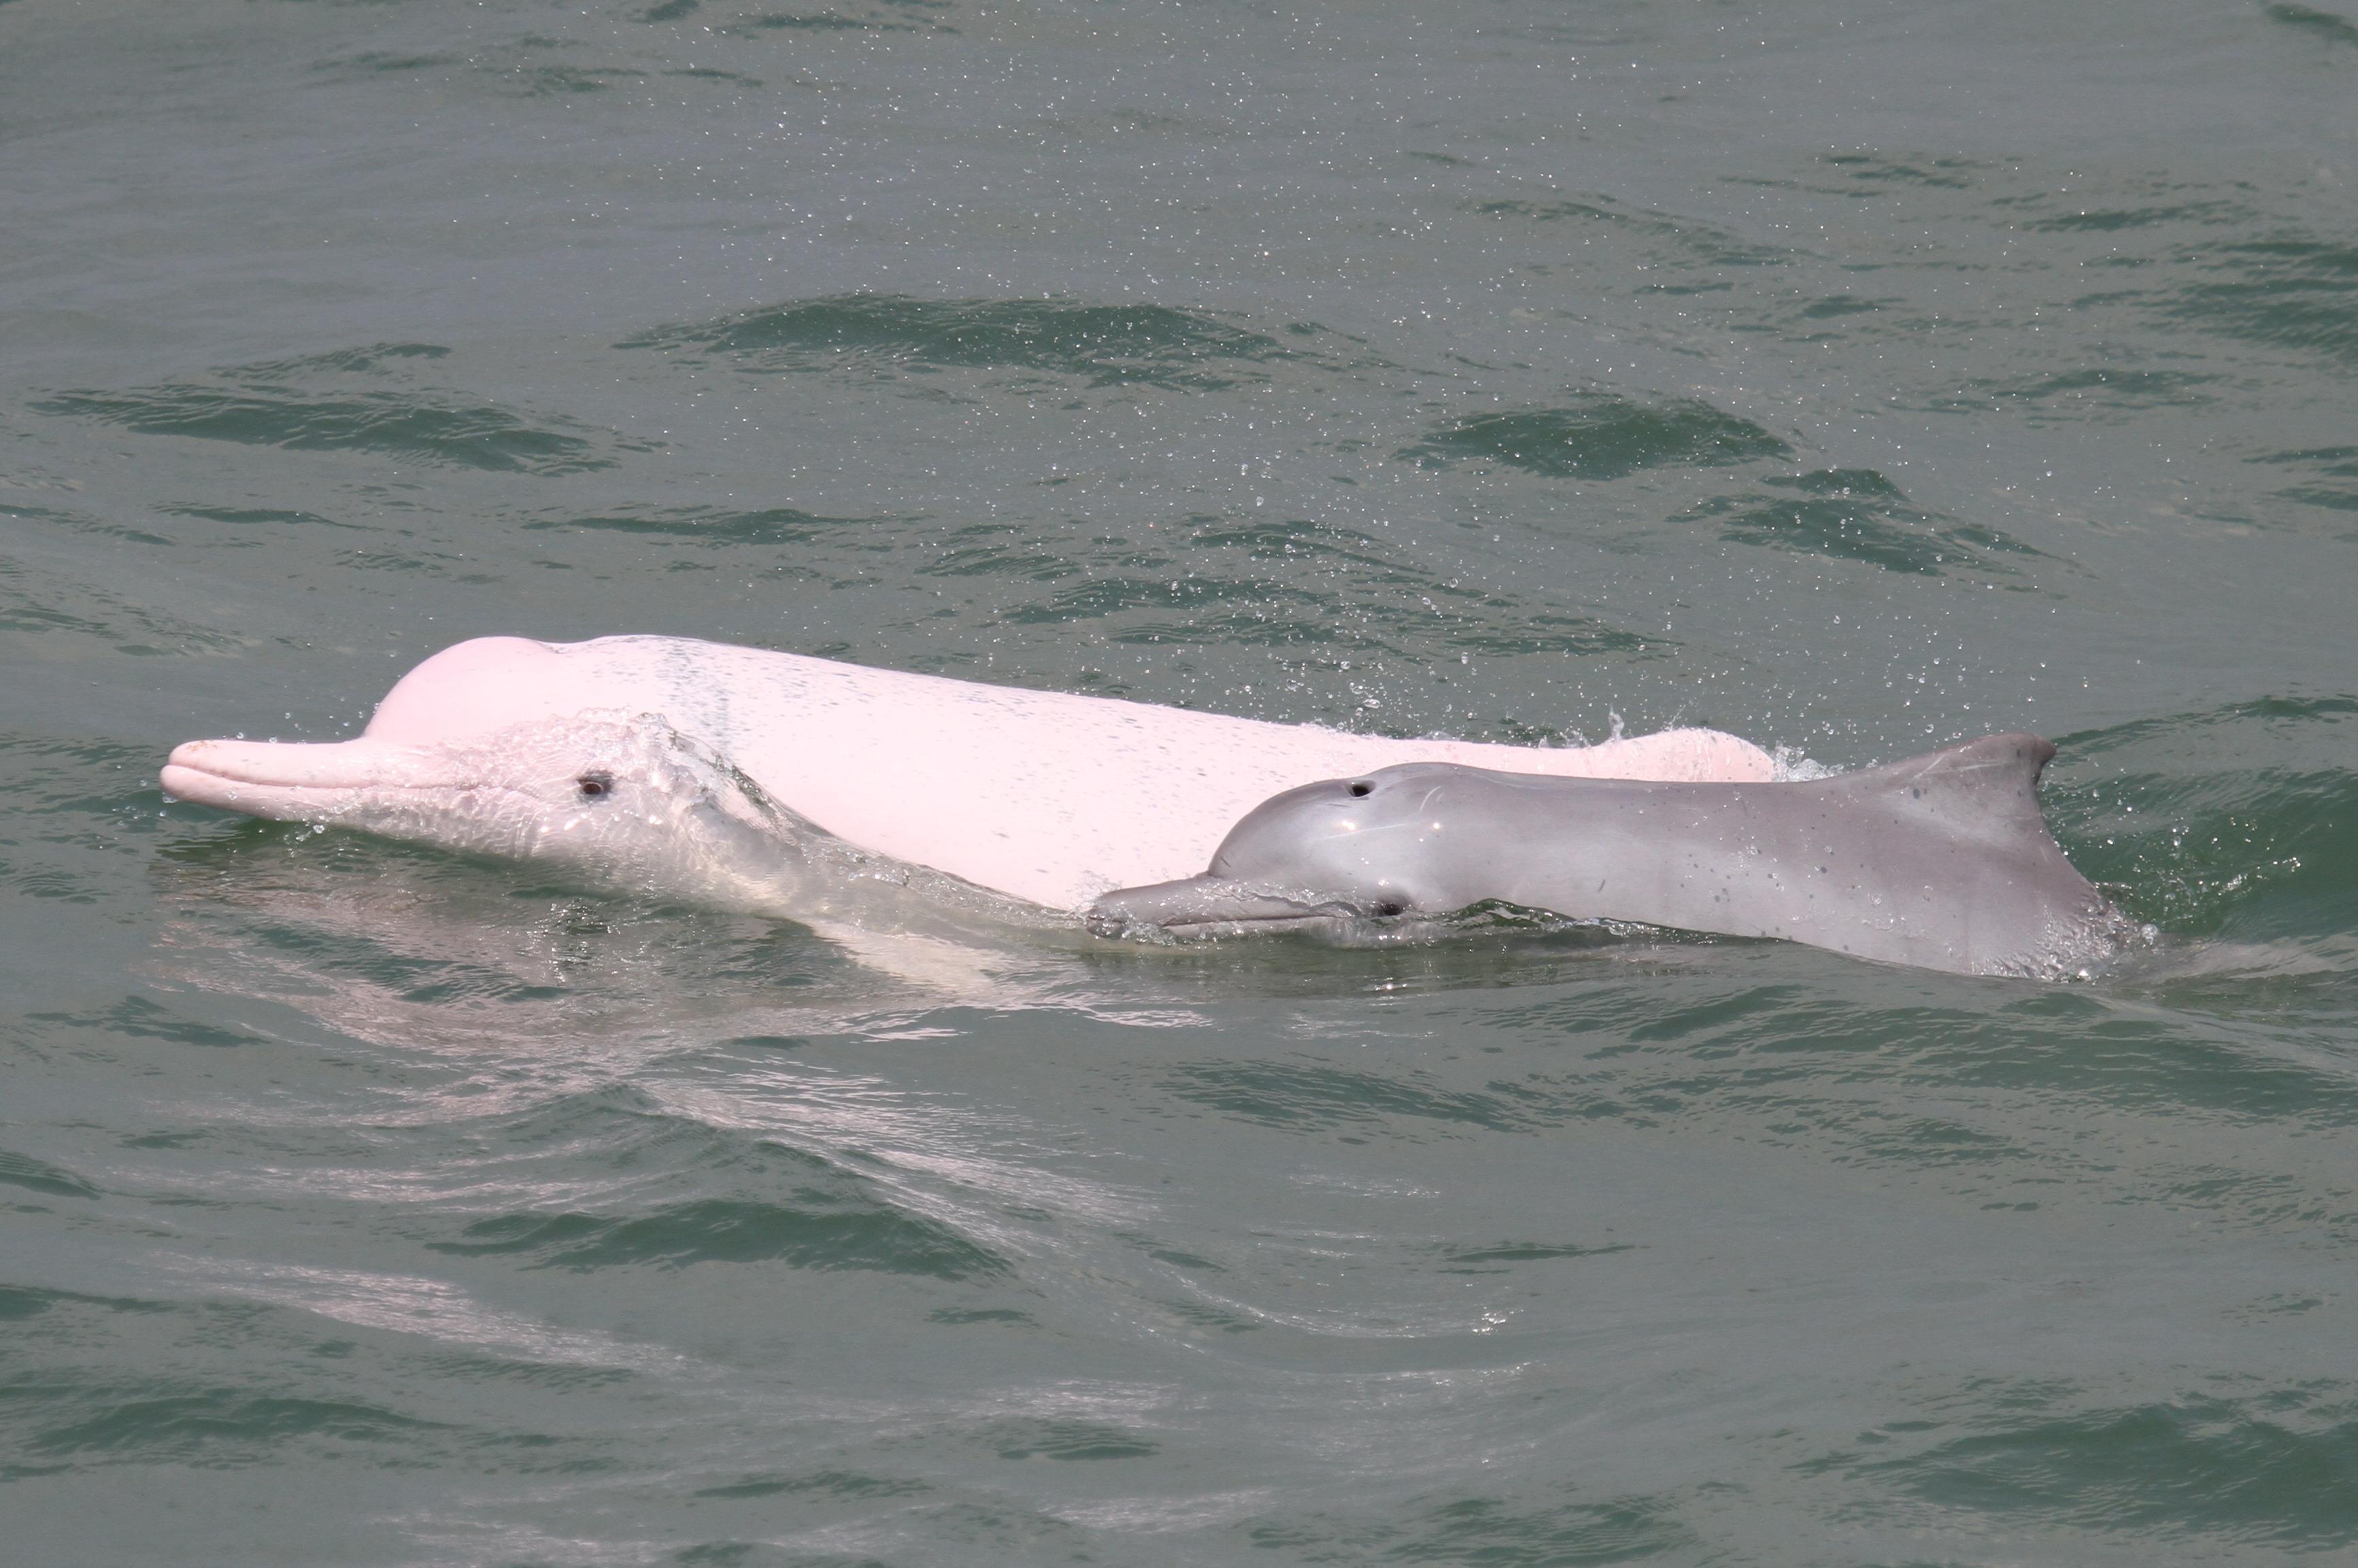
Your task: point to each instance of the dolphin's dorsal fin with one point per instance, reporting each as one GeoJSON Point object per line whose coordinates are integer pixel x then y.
{"type": "Point", "coordinates": [1985, 789]}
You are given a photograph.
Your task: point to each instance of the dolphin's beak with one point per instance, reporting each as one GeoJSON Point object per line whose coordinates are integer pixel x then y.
{"type": "Point", "coordinates": [1207, 906]}
{"type": "Point", "coordinates": [291, 783]}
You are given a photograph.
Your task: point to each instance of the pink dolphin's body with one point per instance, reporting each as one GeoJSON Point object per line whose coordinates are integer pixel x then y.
{"type": "Point", "coordinates": [1051, 797]}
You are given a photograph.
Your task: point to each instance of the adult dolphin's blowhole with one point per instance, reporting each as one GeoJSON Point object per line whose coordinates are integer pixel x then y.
{"type": "Point", "coordinates": [798, 786]}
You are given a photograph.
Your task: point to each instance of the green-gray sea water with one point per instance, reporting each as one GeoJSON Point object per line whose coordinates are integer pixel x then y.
{"type": "Point", "coordinates": [1856, 378]}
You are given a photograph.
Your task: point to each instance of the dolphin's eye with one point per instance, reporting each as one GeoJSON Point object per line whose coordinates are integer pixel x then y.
{"type": "Point", "coordinates": [1389, 907]}
{"type": "Point", "coordinates": [1361, 786]}
{"type": "Point", "coordinates": [596, 786]}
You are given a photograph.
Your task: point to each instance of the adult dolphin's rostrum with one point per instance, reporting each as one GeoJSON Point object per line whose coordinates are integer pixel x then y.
{"type": "Point", "coordinates": [672, 758]}
{"type": "Point", "coordinates": [1942, 860]}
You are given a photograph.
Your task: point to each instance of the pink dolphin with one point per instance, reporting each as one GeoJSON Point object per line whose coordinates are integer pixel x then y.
{"type": "Point", "coordinates": [517, 747]}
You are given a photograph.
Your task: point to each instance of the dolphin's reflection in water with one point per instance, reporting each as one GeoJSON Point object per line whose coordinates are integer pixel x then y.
{"type": "Point", "coordinates": [398, 944]}
{"type": "Point", "coordinates": [405, 946]}
{"type": "Point", "coordinates": [595, 1055]}
{"type": "Point", "coordinates": [496, 995]}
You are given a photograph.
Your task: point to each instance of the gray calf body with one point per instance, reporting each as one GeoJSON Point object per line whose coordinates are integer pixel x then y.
{"type": "Point", "coordinates": [1943, 862]}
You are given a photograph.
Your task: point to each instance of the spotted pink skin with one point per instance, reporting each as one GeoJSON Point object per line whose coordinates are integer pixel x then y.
{"type": "Point", "coordinates": [1049, 796]}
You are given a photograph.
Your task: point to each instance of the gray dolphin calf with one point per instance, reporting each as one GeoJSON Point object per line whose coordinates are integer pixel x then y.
{"type": "Point", "coordinates": [1941, 862]}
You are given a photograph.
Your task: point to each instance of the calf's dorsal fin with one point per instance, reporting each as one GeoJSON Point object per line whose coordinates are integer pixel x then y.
{"type": "Point", "coordinates": [1985, 789]}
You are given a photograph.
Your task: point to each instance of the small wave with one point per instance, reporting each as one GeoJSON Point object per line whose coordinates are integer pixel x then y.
{"type": "Point", "coordinates": [2317, 24]}
{"type": "Point", "coordinates": [18, 1302]}
{"type": "Point", "coordinates": [2241, 821]}
{"type": "Point", "coordinates": [1540, 632]}
{"type": "Point", "coordinates": [222, 1425]}
{"type": "Point", "coordinates": [281, 403]}
{"type": "Point", "coordinates": [1103, 345]}
{"type": "Point", "coordinates": [382, 62]}
{"type": "Point", "coordinates": [2334, 484]}
{"type": "Point", "coordinates": [2096, 390]}
{"type": "Point", "coordinates": [1486, 1529]}
{"type": "Point", "coordinates": [40, 1176]}
{"type": "Point", "coordinates": [1834, 306]}
{"type": "Point", "coordinates": [769, 527]}
{"type": "Point", "coordinates": [1063, 1439]}
{"type": "Point", "coordinates": [553, 80]}
{"type": "Point", "coordinates": [1857, 514]}
{"type": "Point", "coordinates": [80, 1398]}
{"type": "Point", "coordinates": [814, 22]}
{"type": "Point", "coordinates": [1690, 241]}
{"type": "Point", "coordinates": [75, 1419]}
{"type": "Point", "coordinates": [1287, 583]}
{"type": "Point", "coordinates": [750, 1199]}
{"type": "Point", "coordinates": [706, 73]}
{"type": "Point", "coordinates": [2274, 1468]}
{"type": "Point", "coordinates": [826, 1482]}
{"type": "Point", "coordinates": [1189, 595]}
{"type": "Point", "coordinates": [823, 1229]}
{"type": "Point", "coordinates": [2288, 291]}
{"type": "Point", "coordinates": [2114, 219]}
{"type": "Point", "coordinates": [1940, 173]}
{"type": "Point", "coordinates": [398, 425]}
{"type": "Point", "coordinates": [1306, 1095]}
{"type": "Point", "coordinates": [2264, 854]}
{"type": "Point", "coordinates": [1760, 1056]}
{"type": "Point", "coordinates": [883, 16]}
{"type": "Point", "coordinates": [1598, 435]}
{"type": "Point", "coordinates": [248, 517]}
{"type": "Point", "coordinates": [1473, 1260]}
{"type": "Point", "coordinates": [82, 523]}
{"type": "Point", "coordinates": [41, 601]}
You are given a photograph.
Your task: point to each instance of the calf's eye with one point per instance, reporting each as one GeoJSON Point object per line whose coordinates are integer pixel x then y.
{"type": "Point", "coordinates": [596, 786]}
